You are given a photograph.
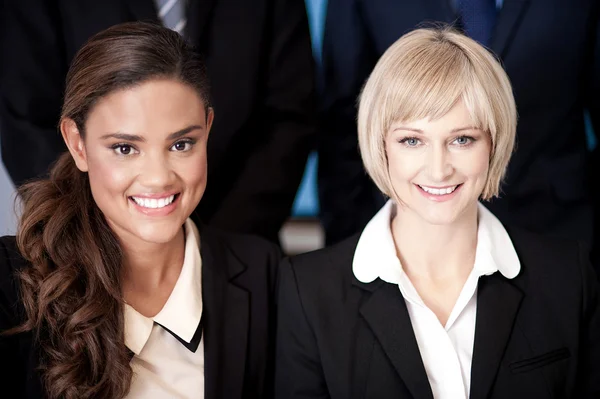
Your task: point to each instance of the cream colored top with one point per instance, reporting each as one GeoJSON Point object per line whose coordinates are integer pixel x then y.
{"type": "Point", "coordinates": [163, 365]}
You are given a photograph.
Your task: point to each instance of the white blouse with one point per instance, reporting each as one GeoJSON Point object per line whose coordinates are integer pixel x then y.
{"type": "Point", "coordinates": [447, 350]}
{"type": "Point", "coordinates": [163, 365]}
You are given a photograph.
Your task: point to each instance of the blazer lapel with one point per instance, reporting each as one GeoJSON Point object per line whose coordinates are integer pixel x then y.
{"type": "Point", "coordinates": [199, 12]}
{"type": "Point", "coordinates": [143, 10]}
{"type": "Point", "coordinates": [225, 320]}
{"type": "Point", "coordinates": [385, 312]}
{"type": "Point", "coordinates": [497, 304]}
{"type": "Point", "coordinates": [508, 22]}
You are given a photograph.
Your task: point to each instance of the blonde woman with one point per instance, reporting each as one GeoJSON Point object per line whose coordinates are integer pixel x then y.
{"type": "Point", "coordinates": [436, 298]}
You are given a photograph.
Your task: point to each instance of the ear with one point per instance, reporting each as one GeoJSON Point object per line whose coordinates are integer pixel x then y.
{"type": "Point", "coordinates": [209, 119]}
{"type": "Point", "coordinates": [74, 142]}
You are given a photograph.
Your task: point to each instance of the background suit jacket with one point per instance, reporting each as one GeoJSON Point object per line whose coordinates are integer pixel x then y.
{"type": "Point", "coordinates": [259, 61]}
{"type": "Point", "coordinates": [536, 336]}
{"type": "Point", "coordinates": [551, 52]}
{"type": "Point", "coordinates": [238, 282]}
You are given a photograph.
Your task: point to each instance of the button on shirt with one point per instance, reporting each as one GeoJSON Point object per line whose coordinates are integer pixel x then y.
{"type": "Point", "coordinates": [447, 350]}
{"type": "Point", "coordinates": [163, 366]}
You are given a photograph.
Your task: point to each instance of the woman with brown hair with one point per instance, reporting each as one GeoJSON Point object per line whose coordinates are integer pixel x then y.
{"type": "Point", "coordinates": [109, 289]}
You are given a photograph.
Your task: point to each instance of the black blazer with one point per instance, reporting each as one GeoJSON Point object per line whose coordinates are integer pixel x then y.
{"type": "Point", "coordinates": [551, 52]}
{"type": "Point", "coordinates": [537, 336]}
{"type": "Point", "coordinates": [238, 280]}
{"type": "Point", "coordinates": [259, 61]}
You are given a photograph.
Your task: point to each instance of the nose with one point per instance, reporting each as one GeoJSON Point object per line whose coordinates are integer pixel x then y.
{"type": "Point", "coordinates": [156, 171]}
{"type": "Point", "coordinates": [439, 164]}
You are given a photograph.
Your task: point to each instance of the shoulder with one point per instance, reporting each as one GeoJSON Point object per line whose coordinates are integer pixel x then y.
{"type": "Point", "coordinates": [537, 250]}
{"type": "Point", "coordinates": [11, 262]}
{"type": "Point", "coordinates": [248, 248]}
{"type": "Point", "coordinates": [253, 259]}
{"type": "Point", "coordinates": [324, 268]}
{"type": "Point", "coordinates": [551, 263]}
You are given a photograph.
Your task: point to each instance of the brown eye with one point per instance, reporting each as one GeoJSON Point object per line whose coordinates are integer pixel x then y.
{"type": "Point", "coordinates": [123, 149]}
{"type": "Point", "coordinates": [181, 146]}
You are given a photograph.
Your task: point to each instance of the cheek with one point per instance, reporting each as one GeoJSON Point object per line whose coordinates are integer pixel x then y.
{"type": "Point", "coordinates": [403, 166]}
{"type": "Point", "coordinates": [194, 171]}
{"type": "Point", "coordinates": [477, 164]}
{"type": "Point", "coordinates": [108, 177]}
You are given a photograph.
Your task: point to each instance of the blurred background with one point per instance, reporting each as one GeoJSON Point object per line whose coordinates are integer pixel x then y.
{"type": "Point", "coordinates": [549, 48]}
{"type": "Point", "coordinates": [7, 193]}
{"type": "Point", "coordinates": [301, 233]}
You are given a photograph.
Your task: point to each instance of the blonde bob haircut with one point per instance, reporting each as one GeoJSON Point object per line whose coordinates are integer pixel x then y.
{"type": "Point", "coordinates": [423, 75]}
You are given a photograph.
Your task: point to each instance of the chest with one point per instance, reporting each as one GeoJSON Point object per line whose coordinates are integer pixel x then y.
{"type": "Point", "coordinates": [166, 369]}
{"type": "Point", "coordinates": [372, 349]}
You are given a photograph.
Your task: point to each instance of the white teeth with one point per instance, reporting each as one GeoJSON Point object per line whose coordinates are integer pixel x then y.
{"type": "Point", "coordinates": [153, 202]}
{"type": "Point", "coordinates": [438, 191]}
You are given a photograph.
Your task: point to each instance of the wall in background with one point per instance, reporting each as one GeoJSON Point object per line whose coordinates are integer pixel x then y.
{"type": "Point", "coordinates": [7, 195]}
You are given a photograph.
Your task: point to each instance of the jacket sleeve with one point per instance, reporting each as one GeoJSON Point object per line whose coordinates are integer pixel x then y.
{"type": "Point", "coordinates": [263, 193]}
{"type": "Point", "coordinates": [11, 378]}
{"type": "Point", "coordinates": [31, 85]}
{"type": "Point", "coordinates": [593, 90]}
{"type": "Point", "coordinates": [593, 106]}
{"type": "Point", "coordinates": [588, 384]}
{"type": "Point", "coordinates": [347, 196]}
{"type": "Point", "coordinates": [298, 366]}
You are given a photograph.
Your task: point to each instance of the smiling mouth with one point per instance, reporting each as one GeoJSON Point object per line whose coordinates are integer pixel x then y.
{"type": "Point", "coordinates": [439, 191]}
{"type": "Point", "coordinates": [154, 203]}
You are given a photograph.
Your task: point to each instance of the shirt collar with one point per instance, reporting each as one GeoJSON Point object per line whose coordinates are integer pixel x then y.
{"type": "Point", "coordinates": [375, 254]}
{"type": "Point", "coordinates": [182, 312]}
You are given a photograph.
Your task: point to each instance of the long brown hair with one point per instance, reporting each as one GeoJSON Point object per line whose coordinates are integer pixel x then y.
{"type": "Point", "coordinates": [72, 291]}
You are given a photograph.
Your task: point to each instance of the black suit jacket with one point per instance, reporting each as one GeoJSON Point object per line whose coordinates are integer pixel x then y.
{"type": "Point", "coordinates": [259, 61]}
{"type": "Point", "coordinates": [536, 336]}
{"type": "Point", "coordinates": [238, 282]}
{"type": "Point", "coordinates": [551, 52]}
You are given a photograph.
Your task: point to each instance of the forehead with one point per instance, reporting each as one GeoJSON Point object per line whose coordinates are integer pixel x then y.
{"type": "Point", "coordinates": [156, 107]}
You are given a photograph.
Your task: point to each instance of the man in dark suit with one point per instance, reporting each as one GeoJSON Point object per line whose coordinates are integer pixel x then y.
{"type": "Point", "coordinates": [259, 61]}
{"type": "Point", "coordinates": [551, 51]}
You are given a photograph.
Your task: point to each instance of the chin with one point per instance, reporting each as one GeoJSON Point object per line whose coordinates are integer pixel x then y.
{"type": "Point", "coordinates": [439, 220]}
{"type": "Point", "coordinates": [438, 215]}
{"type": "Point", "coordinates": [162, 233]}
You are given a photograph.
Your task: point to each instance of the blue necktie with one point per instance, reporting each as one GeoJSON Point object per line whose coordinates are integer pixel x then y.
{"type": "Point", "coordinates": [478, 18]}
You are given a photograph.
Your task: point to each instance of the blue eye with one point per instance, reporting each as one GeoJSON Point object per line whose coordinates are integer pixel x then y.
{"type": "Point", "coordinates": [410, 141]}
{"type": "Point", "coordinates": [464, 140]}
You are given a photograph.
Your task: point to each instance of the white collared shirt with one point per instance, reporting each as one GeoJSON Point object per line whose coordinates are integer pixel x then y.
{"type": "Point", "coordinates": [163, 367]}
{"type": "Point", "coordinates": [447, 350]}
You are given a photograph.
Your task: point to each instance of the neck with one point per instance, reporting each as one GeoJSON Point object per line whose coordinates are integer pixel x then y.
{"type": "Point", "coordinates": [148, 265]}
{"type": "Point", "coordinates": [435, 252]}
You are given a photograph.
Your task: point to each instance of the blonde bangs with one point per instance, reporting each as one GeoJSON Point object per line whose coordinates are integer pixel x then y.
{"type": "Point", "coordinates": [428, 82]}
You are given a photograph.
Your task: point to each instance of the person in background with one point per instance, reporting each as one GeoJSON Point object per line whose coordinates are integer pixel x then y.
{"type": "Point", "coordinates": [110, 290]}
{"type": "Point", "coordinates": [551, 52]}
{"type": "Point", "coordinates": [258, 57]}
{"type": "Point", "coordinates": [436, 298]}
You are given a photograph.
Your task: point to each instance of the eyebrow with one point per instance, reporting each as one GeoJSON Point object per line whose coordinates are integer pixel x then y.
{"type": "Point", "coordinates": [138, 138]}
{"type": "Point", "coordinates": [456, 130]}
